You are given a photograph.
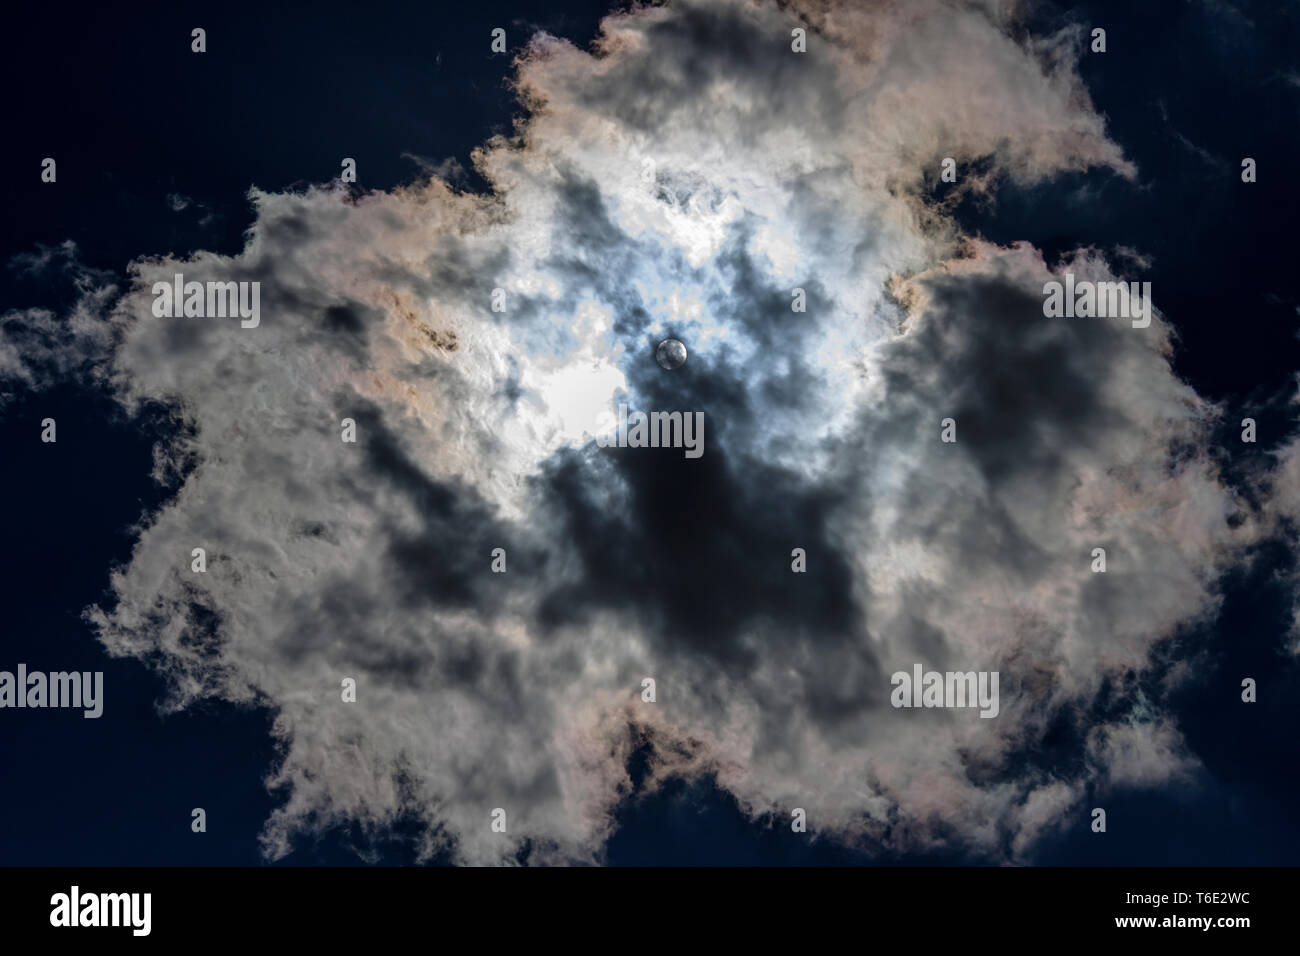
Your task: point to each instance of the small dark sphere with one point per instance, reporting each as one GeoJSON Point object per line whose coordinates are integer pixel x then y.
{"type": "Point", "coordinates": [670, 354]}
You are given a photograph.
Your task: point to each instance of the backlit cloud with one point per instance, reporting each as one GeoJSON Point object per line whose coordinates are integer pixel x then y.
{"type": "Point", "coordinates": [685, 177]}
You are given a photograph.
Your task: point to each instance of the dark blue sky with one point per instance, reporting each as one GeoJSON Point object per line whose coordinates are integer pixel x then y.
{"type": "Point", "coordinates": [132, 116]}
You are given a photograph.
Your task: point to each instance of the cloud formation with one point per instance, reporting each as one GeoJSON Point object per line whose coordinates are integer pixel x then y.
{"type": "Point", "coordinates": [682, 178]}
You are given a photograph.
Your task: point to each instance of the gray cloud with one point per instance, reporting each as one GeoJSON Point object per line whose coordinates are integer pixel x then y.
{"type": "Point", "coordinates": [684, 178]}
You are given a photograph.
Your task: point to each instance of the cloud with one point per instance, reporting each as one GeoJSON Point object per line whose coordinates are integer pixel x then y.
{"type": "Point", "coordinates": [1280, 491]}
{"type": "Point", "coordinates": [1140, 754]}
{"type": "Point", "coordinates": [682, 178]}
{"type": "Point", "coordinates": [37, 347]}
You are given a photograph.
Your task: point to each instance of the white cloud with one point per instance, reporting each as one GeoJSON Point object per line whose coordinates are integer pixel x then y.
{"type": "Point", "coordinates": [521, 691]}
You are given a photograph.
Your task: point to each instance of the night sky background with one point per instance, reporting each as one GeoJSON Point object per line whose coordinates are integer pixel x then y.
{"type": "Point", "coordinates": [282, 94]}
